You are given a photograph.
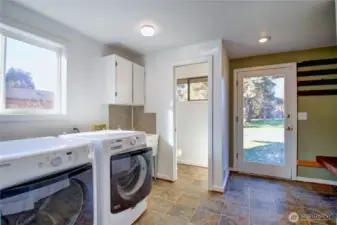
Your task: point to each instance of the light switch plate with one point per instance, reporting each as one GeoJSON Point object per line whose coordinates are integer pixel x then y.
{"type": "Point", "coordinates": [302, 116]}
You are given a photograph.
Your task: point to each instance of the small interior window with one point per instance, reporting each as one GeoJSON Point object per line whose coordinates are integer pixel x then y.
{"type": "Point", "coordinates": [192, 89]}
{"type": "Point", "coordinates": [198, 89]}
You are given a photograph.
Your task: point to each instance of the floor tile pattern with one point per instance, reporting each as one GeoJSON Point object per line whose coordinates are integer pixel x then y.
{"type": "Point", "coordinates": [248, 200]}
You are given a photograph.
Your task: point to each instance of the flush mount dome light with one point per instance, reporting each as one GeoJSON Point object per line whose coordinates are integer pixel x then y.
{"type": "Point", "coordinates": [264, 39]}
{"type": "Point", "coordinates": [147, 31]}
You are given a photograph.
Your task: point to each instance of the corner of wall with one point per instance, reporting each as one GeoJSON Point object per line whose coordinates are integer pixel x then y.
{"type": "Point", "coordinates": [226, 112]}
{"type": "Point", "coordinates": [125, 52]}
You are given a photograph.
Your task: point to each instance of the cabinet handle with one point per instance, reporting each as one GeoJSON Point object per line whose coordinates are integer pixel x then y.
{"type": "Point", "coordinates": [115, 94]}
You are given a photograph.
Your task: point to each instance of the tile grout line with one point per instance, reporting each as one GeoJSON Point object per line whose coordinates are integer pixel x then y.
{"type": "Point", "coordinates": [197, 205]}
{"type": "Point", "coordinates": [193, 213]}
{"type": "Point", "coordinates": [223, 207]}
{"type": "Point", "coordinates": [279, 217]}
{"type": "Point", "coordinates": [299, 203]}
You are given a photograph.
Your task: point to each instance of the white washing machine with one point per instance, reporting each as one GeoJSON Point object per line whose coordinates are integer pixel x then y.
{"type": "Point", "coordinates": [47, 181]}
{"type": "Point", "coordinates": [124, 174]}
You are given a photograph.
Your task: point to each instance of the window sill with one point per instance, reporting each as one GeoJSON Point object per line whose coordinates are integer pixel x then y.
{"type": "Point", "coordinates": [12, 118]}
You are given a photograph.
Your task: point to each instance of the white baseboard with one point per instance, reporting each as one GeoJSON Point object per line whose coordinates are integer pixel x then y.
{"type": "Point", "coordinates": [186, 162]}
{"type": "Point", "coordinates": [164, 177]}
{"type": "Point", "coordinates": [316, 180]}
{"type": "Point", "coordinates": [218, 189]}
{"type": "Point", "coordinates": [222, 189]}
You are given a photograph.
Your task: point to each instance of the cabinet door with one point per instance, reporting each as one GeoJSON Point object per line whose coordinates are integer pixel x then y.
{"type": "Point", "coordinates": [106, 67]}
{"type": "Point", "coordinates": [123, 81]}
{"type": "Point", "coordinates": [138, 84]}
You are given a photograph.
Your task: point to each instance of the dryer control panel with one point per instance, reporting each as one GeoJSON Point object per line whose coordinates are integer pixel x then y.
{"type": "Point", "coordinates": [128, 142]}
{"type": "Point", "coordinates": [59, 159]}
{"type": "Point", "coordinates": [20, 170]}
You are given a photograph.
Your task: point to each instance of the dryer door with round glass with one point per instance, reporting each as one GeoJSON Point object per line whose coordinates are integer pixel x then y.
{"type": "Point", "coordinates": [131, 179]}
{"type": "Point", "coordinates": [64, 198]}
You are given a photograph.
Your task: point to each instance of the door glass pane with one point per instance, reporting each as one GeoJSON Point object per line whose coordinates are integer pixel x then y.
{"type": "Point", "coordinates": [65, 201]}
{"type": "Point", "coordinates": [263, 123]}
{"type": "Point", "coordinates": [131, 179]}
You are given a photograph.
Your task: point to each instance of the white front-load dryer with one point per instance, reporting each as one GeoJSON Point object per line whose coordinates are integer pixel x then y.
{"type": "Point", "coordinates": [124, 169]}
{"type": "Point", "coordinates": [47, 181]}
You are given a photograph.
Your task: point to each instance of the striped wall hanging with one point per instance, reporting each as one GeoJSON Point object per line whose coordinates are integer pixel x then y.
{"type": "Point", "coordinates": [317, 77]}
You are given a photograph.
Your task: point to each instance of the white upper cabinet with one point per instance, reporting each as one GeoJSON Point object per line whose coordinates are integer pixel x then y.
{"type": "Point", "coordinates": [124, 81]}
{"type": "Point", "coordinates": [118, 80]}
{"type": "Point", "coordinates": [138, 84]}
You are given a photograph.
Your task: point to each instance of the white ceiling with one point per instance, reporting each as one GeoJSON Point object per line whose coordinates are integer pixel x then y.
{"type": "Point", "coordinates": [293, 25]}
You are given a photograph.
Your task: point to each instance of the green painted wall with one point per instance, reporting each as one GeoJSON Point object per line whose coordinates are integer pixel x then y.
{"type": "Point", "coordinates": [336, 18]}
{"type": "Point", "coordinates": [318, 134]}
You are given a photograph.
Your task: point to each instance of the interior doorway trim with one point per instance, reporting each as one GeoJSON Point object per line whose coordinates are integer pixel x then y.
{"type": "Point", "coordinates": [209, 61]}
{"type": "Point", "coordinates": [293, 154]}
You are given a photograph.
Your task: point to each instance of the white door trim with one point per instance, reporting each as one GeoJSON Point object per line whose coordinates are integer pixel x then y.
{"type": "Point", "coordinates": [293, 94]}
{"type": "Point", "coordinates": [209, 60]}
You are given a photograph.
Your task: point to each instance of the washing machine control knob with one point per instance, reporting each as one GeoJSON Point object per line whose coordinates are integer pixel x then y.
{"type": "Point", "coordinates": [133, 141]}
{"type": "Point", "coordinates": [57, 161]}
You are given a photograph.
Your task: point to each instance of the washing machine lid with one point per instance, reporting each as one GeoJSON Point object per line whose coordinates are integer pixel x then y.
{"type": "Point", "coordinates": [99, 136]}
{"type": "Point", "coordinates": [18, 149]}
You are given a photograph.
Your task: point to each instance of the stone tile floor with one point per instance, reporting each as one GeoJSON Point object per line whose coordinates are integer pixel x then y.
{"type": "Point", "coordinates": [247, 200]}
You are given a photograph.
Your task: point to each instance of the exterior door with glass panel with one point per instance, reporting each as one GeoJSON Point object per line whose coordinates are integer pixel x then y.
{"type": "Point", "coordinates": [266, 118]}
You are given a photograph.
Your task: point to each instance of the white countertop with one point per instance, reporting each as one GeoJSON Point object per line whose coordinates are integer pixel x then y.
{"type": "Point", "coordinates": [102, 135]}
{"type": "Point", "coordinates": [18, 149]}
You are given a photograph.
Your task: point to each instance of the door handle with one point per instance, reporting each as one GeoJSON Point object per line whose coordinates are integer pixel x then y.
{"type": "Point", "coordinates": [290, 128]}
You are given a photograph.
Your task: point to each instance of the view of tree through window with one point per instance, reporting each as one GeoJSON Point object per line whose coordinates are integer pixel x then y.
{"type": "Point", "coordinates": [198, 89]}
{"type": "Point", "coordinates": [260, 99]}
{"type": "Point", "coordinates": [31, 76]}
{"type": "Point", "coordinates": [192, 89]}
{"type": "Point", "coordinates": [182, 90]}
{"type": "Point", "coordinates": [263, 119]}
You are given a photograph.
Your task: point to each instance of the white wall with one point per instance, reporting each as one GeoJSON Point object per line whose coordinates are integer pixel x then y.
{"type": "Point", "coordinates": [83, 84]}
{"type": "Point", "coordinates": [151, 87]}
{"type": "Point", "coordinates": [192, 133]}
{"type": "Point", "coordinates": [192, 121]}
{"type": "Point", "coordinates": [160, 66]}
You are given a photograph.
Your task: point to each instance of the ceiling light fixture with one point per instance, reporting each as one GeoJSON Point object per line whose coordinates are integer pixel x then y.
{"type": "Point", "coordinates": [147, 31]}
{"type": "Point", "coordinates": [264, 39]}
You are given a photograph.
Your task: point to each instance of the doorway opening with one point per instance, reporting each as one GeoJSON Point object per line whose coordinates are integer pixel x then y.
{"type": "Point", "coordinates": [266, 120]}
{"type": "Point", "coordinates": [193, 123]}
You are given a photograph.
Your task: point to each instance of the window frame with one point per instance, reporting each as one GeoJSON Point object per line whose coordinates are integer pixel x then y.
{"type": "Point", "coordinates": [189, 89]}
{"type": "Point", "coordinates": [60, 50]}
{"type": "Point", "coordinates": [189, 86]}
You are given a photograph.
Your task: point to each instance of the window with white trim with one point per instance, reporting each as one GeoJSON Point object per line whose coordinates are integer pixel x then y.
{"type": "Point", "coordinates": [32, 75]}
